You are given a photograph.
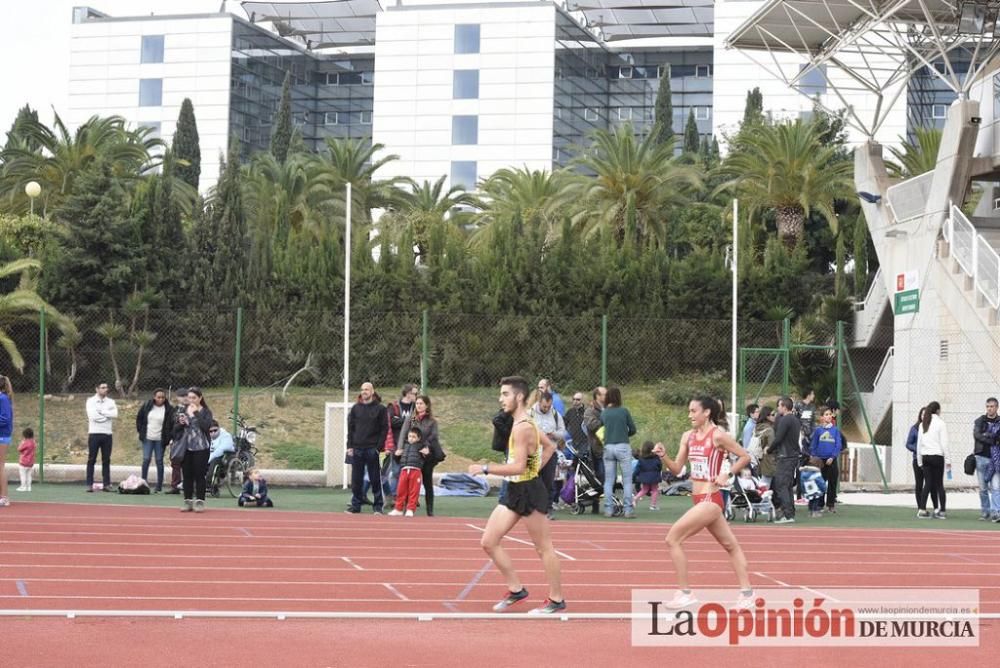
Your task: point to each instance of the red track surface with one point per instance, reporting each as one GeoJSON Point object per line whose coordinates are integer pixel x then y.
{"type": "Point", "coordinates": [86, 558]}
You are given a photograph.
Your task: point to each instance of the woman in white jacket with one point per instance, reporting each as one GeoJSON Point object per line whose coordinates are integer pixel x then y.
{"type": "Point", "coordinates": [933, 457]}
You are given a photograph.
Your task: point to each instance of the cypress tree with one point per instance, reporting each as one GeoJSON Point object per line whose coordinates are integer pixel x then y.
{"type": "Point", "coordinates": [185, 147]}
{"type": "Point", "coordinates": [716, 154]}
{"type": "Point", "coordinates": [860, 256]}
{"type": "Point", "coordinates": [753, 112]}
{"type": "Point", "coordinates": [691, 134]}
{"type": "Point", "coordinates": [226, 234]}
{"type": "Point", "coordinates": [663, 128]}
{"type": "Point", "coordinates": [15, 136]}
{"type": "Point", "coordinates": [282, 137]}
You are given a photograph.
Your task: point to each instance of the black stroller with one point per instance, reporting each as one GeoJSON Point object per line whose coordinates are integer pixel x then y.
{"type": "Point", "coordinates": [588, 489]}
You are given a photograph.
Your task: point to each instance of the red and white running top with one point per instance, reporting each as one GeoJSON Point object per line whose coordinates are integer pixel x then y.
{"type": "Point", "coordinates": [705, 458]}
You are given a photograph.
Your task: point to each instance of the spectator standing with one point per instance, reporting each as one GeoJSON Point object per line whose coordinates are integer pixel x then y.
{"type": "Point", "coordinates": [411, 456]}
{"type": "Point", "coordinates": [986, 437]}
{"type": "Point", "coordinates": [367, 425]}
{"type": "Point", "coordinates": [398, 411]}
{"type": "Point", "coordinates": [26, 458]}
{"type": "Point", "coordinates": [197, 422]}
{"type": "Point", "coordinates": [101, 414]}
{"type": "Point", "coordinates": [753, 414]}
{"type": "Point", "coordinates": [176, 448]}
{"type": "Point", "coordinates": [934, 456]}
{"type": "Point", "coordinates": [6, 430]}
{"type": "Point", "coordinates": [649, 475]}
{"type": "Point", "coordinates": [764, 432]}
{"type": "Point", "coordinates": [423, 418]}
{"type": "Point", "coordinates": [550, 423]}
{"type": "Point", "coordinates": [825, 452]}
{"type": "Point", "coordinates": [545, 385]}
{"type": "Point", "coordinates": [154, 424]}
{"type": "Point", "coordinates": [592, 423]}
{"type": "Point", "coordinates": [806, 410]}
{"type": "Point", "coordinates": [918, 473]}
{"type": "Point", "coordinates": [618, 428]}
{"type": "Point", "coordinates": [786, 451]}
{"type": "Point", "coordinates": [574, 423]}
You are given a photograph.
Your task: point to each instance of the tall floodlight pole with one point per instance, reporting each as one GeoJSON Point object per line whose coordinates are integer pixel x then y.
{"type": "Point", "coordinates": [347, 313]}
{"type": "Point", "coordinates": [735, 257]}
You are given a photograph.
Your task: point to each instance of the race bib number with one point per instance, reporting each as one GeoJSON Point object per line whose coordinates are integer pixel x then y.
{"type": "Point", "coordinates": [699, 468]}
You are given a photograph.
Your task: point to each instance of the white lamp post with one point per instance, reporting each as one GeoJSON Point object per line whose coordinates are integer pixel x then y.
{"type": "Point", "coordinates": [32, 189]}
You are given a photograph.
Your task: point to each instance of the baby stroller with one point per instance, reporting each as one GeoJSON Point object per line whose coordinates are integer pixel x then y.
{"type": "Point", "coordinates": [747, 495]}
{"type": "Point", "coordinates": [587, 489]}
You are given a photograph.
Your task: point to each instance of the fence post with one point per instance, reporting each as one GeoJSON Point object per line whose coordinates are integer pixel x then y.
{"type": "Point", "coordinates": [786, 344]}
{"type": "Point", "coordinates": [424, 357]}
{"type": "Point", "coordinates": [840, 369]}
{"type": "Point", "coordinates": [236, 378]}
{"type": "Point", "coordinates": [604, 349]}
{"type": "Point", "coordinates": [41, 395]}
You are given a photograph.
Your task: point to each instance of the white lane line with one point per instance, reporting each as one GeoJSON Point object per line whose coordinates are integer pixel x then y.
{"type": "Point", "coordinates": [348, 561]}
{"type": "Point", "coordinates": [802, 587]}
{"type": "Point", "coordinates": [523, 542]}
{"type": "Point", "coordinates": [395, 591]}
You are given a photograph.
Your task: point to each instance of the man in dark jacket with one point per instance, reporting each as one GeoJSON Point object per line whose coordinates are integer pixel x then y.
{"type": "Point", "coordinates": [367, 424]}
{"type": "Point", "coordinates": [986, 436]}
{"type": "Point", "coordinates": [785, 448]}
{"type": "Point", "coordinates": [592, 422]}
{"type": "Point", "coordinates": [574, 422]}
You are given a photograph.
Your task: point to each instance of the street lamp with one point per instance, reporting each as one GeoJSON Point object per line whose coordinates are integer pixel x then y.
{"type": "Point", "coordinates": [32, 190]}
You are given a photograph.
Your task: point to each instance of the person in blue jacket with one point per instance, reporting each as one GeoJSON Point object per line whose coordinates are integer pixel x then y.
{"type": "Point", "coordinates": [825, 445]}
{"type": "Point", "coordinates": [918, 472]}
{"type": "Point", "coordinates": [255, 492]}
{"type": "Point", "coordinates": [6, 431]}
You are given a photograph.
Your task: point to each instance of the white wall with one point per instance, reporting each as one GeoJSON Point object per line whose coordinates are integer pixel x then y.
{"type": "Point", "coordinates": [414, 62]}
{"type": "Point", "coordinates": [735, 74]}
{"type": "Point", "coordinates": [105, 73]}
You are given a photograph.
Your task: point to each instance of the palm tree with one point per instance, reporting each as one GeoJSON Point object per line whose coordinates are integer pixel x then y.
{"type": "Point", "coordinates": [55, 158]}
{"type": "Point", "coordinates": [24, 304]}
{"type": "Point", "coordinates": [426, 206]}
{"type": "Point", "coordinates": [298, 195]}
{"type": "Point", "coordinates": [539, 197]}
{"type": "Point", "coordinates": [634, 184]}
{"type": "Point", "coordinates": [784, 168]}
{"type": "Point", "coordinates": [349, 160]}
{"type": "Point", "coordinates": [916, 159]}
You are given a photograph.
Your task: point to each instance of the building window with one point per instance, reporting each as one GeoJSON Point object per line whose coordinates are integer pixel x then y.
{"type": "Point", "coordinates": [624, 113]}
{"type": "Point", "coordinates": [663, 72]}
{"type": "Point", "coordinates": [150, 92]}
{"type": "Point", "coordinates": [702, 113]}
{"type": "Point", "coordinates": [593, 73]}
{"type": "Point", "coordinates": [558, 111]}
{"type": "Point", "coordinates": [154, 128]}
{"type": "Point", "coordinates": [330, 118]}
{"type": "Point", "coordinates": [702, 71]}
{"type": "Point", "coordinates": [368, 78]}
{"type": "Point", "coordinates": [590, 114]}
{"type": "Point", "coordinates": [366, 118]}
{"type": "Point", "coordinates": [465, 85]}
{"type": "Point", "coordinates": [624, 72]}
{"type": "Point", "coordinates": [813, 82]}
{"type": "Point", "coordinates": [939, 111]}
{"type": "Point", "coordinates": [464, 129]}
{"type": "Point", "coordinates": [152, 49]}
{"type": "Point", "coordinates": [332, 78]}
{"type": "Point", "coordinates": [941, 67]}
{"type": "Point", "coordinates": [463, 173]}
{"type": "Point", "coordinates": [467, 38]}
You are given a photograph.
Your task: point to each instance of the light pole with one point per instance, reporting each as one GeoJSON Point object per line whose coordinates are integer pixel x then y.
{"type": "Point", "coordinates": [32, 190]}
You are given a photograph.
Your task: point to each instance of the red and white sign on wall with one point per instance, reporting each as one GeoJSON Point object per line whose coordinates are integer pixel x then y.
{"type": "Point", "coordinates": [907, 281]}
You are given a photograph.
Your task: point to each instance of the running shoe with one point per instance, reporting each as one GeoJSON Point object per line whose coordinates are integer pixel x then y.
{"type": "Point", "coordinates": [4, 501]}
{"type": "Point", "coordinates": [550, 607]}
{"type": "Point", "coordinates": [395, 513]}
{"type": "Point", "coordinates": [681, 600]}
{"type": "Point", "coordinates": [939, 515]}
{"type": "Point", "coordinates": [923, 514]}
{"type": "Point", "coordinates": [409, 513]}
{"type": "Point", "coordinates": [511, 598]}
{"type": "Point", "coordinates": [984, 517]}
{"type": "Point", "coordinates": [785, 520]}
{"type": "Point", "coordinates": [744, 602]}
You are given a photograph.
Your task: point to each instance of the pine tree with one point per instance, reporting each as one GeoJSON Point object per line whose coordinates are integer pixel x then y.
{"type": "Point", "coordinates": [185, 147]}
{"type": "Point", "coordinates": [663, 128]}
{"type": "Point", "coordinates": [227, 232]}
{"type": "Point", "coordinates": [705, 150]}
{"type": "Point", "coordinates": [15, 138]}
{"type": "Point", "coordinates": [158, 219]}
{"type": "Point", "coordinates": [691, 134]}
{"type": "Point", "coordinates": [716, 153]}
{"type": "Point", "coordinates": [282, 137]}
{"type": "Point", "coordinates": [753, 112]}
{"type": "Point", "coordinates": [101, 259]}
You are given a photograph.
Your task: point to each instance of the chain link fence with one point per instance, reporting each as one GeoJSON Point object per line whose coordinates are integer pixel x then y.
{"type": "Point", "coordinates": [289, 365]}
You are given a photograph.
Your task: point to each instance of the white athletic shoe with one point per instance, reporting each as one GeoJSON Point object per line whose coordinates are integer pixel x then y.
{"type": "Point", "coordinates": [744, 602]}
{"type": "Point", "coordinates": [21, 489]}
{"type": "Point", "coordinates": [409, 513]}
{"type": "Point", "coordinates": [681, 600]}
{"type": "Point", "coordinates": [395, 513]}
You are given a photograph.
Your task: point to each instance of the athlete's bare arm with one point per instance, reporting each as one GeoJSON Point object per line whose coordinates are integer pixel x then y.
{"type": "Point", "coordinates": [522, 438]}
{"type": "Point", "coordinates": [675, 466]}
{"type": "Point", "coordinates": [729, 444]}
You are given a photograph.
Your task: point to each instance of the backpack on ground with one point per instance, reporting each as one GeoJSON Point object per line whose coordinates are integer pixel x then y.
{"type": "Point", "coordinates": [133, 485]}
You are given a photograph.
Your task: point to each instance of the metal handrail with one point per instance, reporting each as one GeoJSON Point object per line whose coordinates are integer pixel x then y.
{"type": "Point", "coordinates": [987, 271]}
{"type": "Point", "coordinates": [965, 252]}
{"type": "Point", "coordinates": [871, 290]}
{"type": "Point", "coordinates": [885, 362]}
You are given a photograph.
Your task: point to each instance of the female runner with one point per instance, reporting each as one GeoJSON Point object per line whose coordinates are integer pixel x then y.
{"type": "Point", "coordinates": [705, 446]}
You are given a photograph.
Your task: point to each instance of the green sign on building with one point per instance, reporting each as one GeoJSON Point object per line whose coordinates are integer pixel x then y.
{"type": "Point", "coordinates": [907, 301]}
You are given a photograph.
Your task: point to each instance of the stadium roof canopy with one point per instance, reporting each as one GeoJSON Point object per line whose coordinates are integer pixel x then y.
{"type": "Point", "coordinates": [633, 19]}
{"type": "Point", "coordinates": [878, 44]}
{"type": "Point", "coordinates": [320, 24]}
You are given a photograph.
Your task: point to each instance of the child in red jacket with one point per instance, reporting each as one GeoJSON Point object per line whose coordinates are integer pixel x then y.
{"type": "Point", "coordinates": [26, 459]}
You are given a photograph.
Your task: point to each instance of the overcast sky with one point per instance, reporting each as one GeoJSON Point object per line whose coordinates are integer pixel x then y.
{"type": "Point", "coordinates": [34, 55]}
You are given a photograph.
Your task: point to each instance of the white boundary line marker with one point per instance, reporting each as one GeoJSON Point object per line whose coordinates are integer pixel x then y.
{"type": "Point", "coordinates": [523, 542]}
{"type": "Point", "coordinates": [395, 591]}
{"type": "Point", "coordinates": [348, 561]}
{"type": "Point", "coordinates": [802, 587]}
